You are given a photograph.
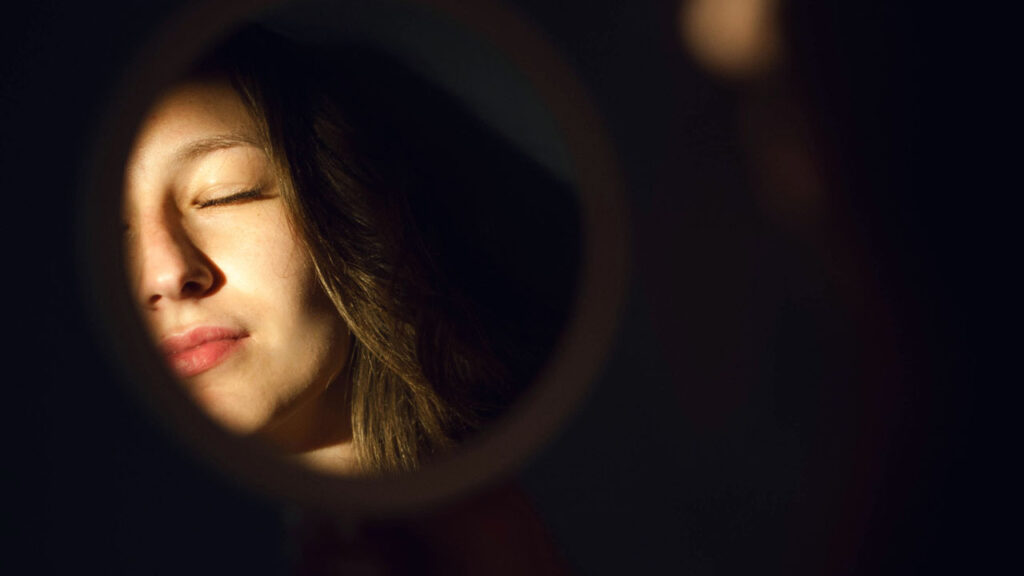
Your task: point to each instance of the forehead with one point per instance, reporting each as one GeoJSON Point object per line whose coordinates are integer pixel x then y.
{"type": "Point", "coordinates": [188, 112]}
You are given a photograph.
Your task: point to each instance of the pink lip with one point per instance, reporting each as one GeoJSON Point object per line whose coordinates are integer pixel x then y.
{"type": "Point", "coordinates": [201, 349]}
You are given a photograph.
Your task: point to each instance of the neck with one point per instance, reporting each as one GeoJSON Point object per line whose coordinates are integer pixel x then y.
{"type": "Point", "coordinates": [319, 432]}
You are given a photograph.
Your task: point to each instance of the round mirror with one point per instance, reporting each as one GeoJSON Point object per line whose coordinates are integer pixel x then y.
{"type": "Point", "coordinates": [362, 255]}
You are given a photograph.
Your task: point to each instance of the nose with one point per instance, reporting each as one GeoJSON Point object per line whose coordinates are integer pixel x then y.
{"type": "Point", "coordinates": [166, 263]}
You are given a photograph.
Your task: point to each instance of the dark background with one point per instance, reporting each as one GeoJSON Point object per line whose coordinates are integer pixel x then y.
{"type": "Point", "coordinates": [786, 393]}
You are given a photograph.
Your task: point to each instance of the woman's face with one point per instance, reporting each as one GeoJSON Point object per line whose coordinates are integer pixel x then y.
{"type": "Point", "coordinates": [226, 287]}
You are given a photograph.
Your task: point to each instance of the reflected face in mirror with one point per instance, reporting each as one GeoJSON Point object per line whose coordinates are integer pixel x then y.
{"type": "Point", "coordinates": [224, 283]}
{"type": "Point", "coordinates": [313, 254]}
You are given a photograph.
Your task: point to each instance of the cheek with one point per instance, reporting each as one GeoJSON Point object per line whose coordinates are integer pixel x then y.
{"type": "Point", "coordinates": [275, 267]}
{"type": "Point", "coordinates": [314, 339]}
{"type": "Point", "coordinates": [262, 259]}
{"type": "Point", "coordinates": [261, 253]}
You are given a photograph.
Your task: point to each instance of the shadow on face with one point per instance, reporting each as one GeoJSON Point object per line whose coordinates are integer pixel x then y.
{"type": "Point", "coordinates": [223, 282]}
{"type": "Point", "coordinates": [336, 257]}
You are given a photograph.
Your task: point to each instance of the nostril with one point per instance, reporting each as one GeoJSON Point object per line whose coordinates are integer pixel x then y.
{"type": "Point", "coordinates": [193, 288]}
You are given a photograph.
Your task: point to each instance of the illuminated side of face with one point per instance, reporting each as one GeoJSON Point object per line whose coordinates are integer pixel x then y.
{"type": "Point", "coordinates": [226, 287]}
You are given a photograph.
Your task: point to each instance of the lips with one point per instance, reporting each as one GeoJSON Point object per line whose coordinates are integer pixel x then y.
{"type": "Point", "coordinates": [201, 349]}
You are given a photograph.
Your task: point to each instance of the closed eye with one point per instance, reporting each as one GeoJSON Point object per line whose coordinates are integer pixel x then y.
{"type": "Point", "coordinates": [231, 199]}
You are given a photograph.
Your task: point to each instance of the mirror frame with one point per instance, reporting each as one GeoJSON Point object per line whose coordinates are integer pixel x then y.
{"type": "Point", "coordinates": [498, 450]}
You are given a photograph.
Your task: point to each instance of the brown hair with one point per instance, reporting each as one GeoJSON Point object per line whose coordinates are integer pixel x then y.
{"type": "Point", "coordinates": [426, 368]}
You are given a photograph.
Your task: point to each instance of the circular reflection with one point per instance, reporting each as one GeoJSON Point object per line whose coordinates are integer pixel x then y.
{"type": "Point", "coordinates": [336, 266]}
{"type": "Point", "coordinates": [310, 237]}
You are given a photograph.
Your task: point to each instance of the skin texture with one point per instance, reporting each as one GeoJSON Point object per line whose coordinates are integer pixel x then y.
{"type": "Point", "coordinates": [209, 243]}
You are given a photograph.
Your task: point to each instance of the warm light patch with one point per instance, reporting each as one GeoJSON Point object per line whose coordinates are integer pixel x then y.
{"type": "Point", "coordinates": [732, 38]}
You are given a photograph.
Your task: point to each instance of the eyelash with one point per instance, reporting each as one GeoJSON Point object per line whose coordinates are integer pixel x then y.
{"type": "Point", "coordinates": [231, 199]}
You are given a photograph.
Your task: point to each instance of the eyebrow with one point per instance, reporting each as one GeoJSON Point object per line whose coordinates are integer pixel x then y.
{"type": "Point", "coordinates": [201, 146]}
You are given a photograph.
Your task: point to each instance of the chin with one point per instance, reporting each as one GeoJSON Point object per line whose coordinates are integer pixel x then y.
{"type": "Point", "coordinates": [232, 413]}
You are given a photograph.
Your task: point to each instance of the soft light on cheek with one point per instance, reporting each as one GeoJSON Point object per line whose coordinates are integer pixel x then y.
{"type": "Point", "coordinates": [285, 260]}
{"type": "Point", "coordinates": [294, 260]}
